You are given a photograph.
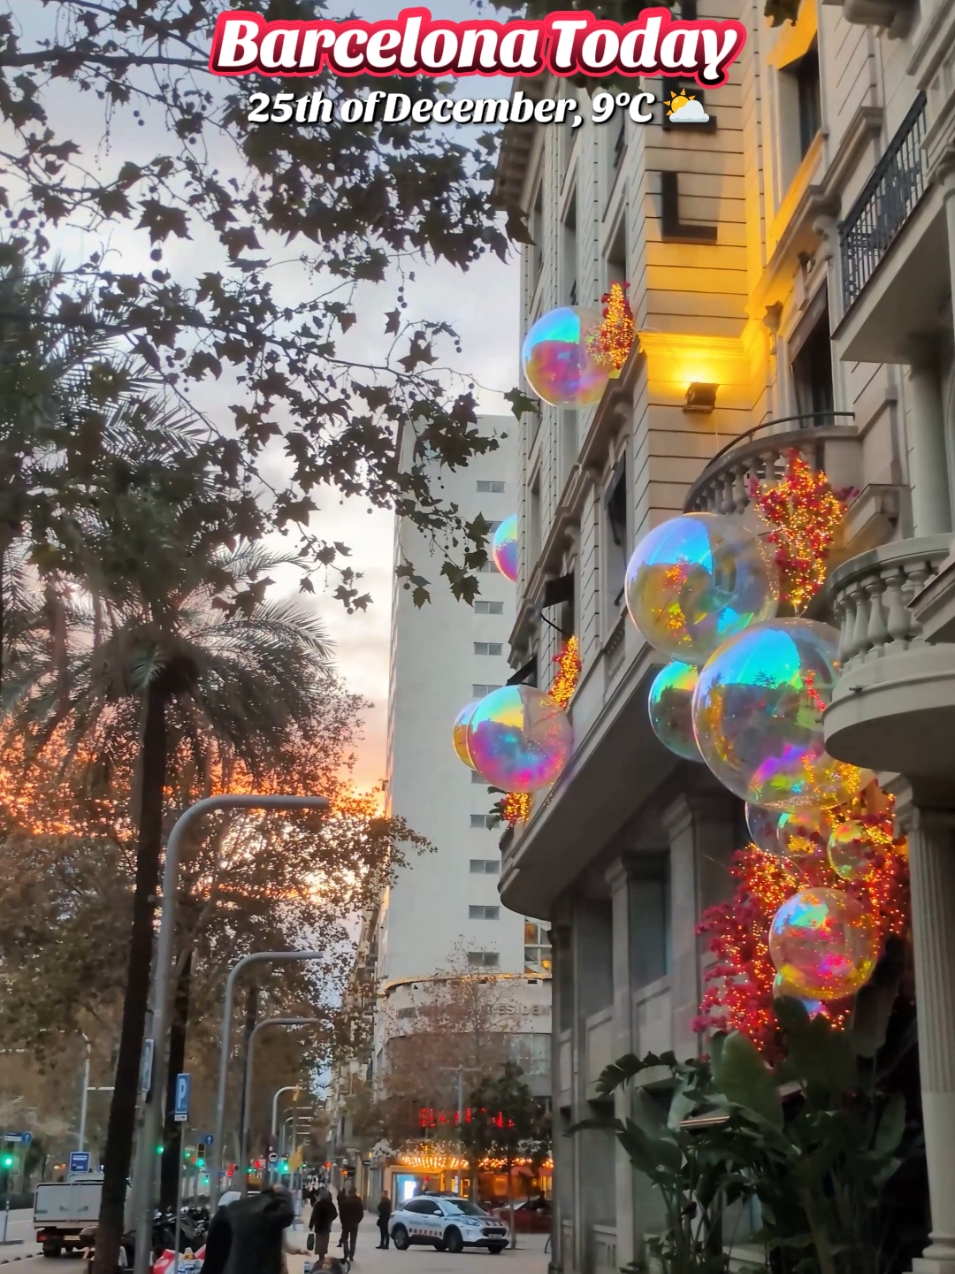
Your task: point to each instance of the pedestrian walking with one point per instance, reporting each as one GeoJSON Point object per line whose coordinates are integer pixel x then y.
{"type": "Point", "coordinates": [384, 1216]}
{"type": "Point", "coordinates": [320, 1224]}
{"type": "Point", "coordinates": [351, 1209]}
{"type": "Point", "coordinates": [257, 1228]}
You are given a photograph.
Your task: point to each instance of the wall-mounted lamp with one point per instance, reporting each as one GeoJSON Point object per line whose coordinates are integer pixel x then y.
{"type": "Point", "coordinates": [701, 396]}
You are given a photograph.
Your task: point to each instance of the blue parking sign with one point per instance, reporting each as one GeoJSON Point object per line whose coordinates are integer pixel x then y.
{"type": "Point", "coordinates": [181, 1107]}
{"type": "Point", "coordinates": [79, 1161]}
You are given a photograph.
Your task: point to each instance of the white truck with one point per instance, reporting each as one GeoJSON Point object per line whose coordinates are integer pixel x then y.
{"type": "Point", "coordinates": [62, 1209]}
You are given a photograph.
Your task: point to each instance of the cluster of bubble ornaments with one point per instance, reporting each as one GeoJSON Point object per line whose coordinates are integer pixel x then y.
{"type": "Point", "coordinates": [519, 738]}
{"type": "Point", "coordinates": [763, 826]}
{"type": "Point", "coordinates": [671, 709]}
{"type": "Point", "coordinates": [804, 833]}
{"type": "Point", "coordinates": [785, 990]}
{"type": "Point", "coordinates": [824, 944]}
{"type": "Point", "coordinates": [852, 853]}
{"type": "Point", "coordinates": [757, 716]}
{"type": "Point", "coordinates": [459, 732]}
{"type": "Point", "coordinates": [697, 580]}
{"type": "Point", "coordinates": [558, 362]}
{"type": "Point", "coordinates": [504, 548]}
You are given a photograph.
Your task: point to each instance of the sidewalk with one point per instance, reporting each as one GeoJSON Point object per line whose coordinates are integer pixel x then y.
{"type": "Point", "coordinates": [528, 1258]}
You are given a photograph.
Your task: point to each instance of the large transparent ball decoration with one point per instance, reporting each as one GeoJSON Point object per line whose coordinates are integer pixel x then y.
{"type": "Point", "coordinates": [519, 739]}
{"type": "Point", "coordinates": [558, 362]}
{"type": "Point", "coordinates": [804, 833]}
{"type": "Point", "coordinates": [696, 580]}
{"type": "Point", "coordinates": [757, 716]}
{"type": "Point", "coordinates": [762, 826]}
{"type": "Point", "coordinates": [671, 709]}
{"type": "Point", "coordinates": [504, 548]}
{"type": "Point", "coordinates": [824, 943]}
{"type": "Point", "coordinates": [853, 854]}
{"type": "Point", "coordinates": [459, 732]}
{"type": "Point", "coordinates": [783, 990]}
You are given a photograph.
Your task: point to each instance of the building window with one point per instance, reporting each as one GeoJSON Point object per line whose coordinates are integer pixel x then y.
{"type": "Point", "coordinates": [537, 234]}
{"type": "Point", "coordinates": [812, 373]}
{"type": "Point", "coordinates": [483, 820]}
{"type": "Point", "coordinates": [615, 518]}
{"type": "Point", "coordinates": [489, 608]}
{"type": "Point", "coordinates": [534, 529]}
{"type": "Point", "coordinates": [650, 924]}
{"type": "Point", "coordinates": [810, 102]}
{"type": "Point", "coordinates": [616, 259]}
{"type": "Point", "coordinates": [569, 243]}
{"type": "Point", "coordinates": [479, 690]}
{"type": "Point", "coordinates": [483, 959]}
{"type": "Point", "coordinates": [484, 867]}
{"type": "Point", "coordinates": [484, 913]}
{"type": "Point", "coordinates": [490, 488]}
{"type": "Point", "coordinates": [488, 647]}
{"type": "Point", "coordinates": [620, 142]}
{"type": "Point", "coordinates": [537, 953]}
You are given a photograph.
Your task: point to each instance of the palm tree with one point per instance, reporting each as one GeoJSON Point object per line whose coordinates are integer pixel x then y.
{"type": "Point", "coordinates": [171, 616]}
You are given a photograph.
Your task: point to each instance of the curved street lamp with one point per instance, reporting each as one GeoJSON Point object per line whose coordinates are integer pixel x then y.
{"type": "Point", "coordinates": [247, 1082]}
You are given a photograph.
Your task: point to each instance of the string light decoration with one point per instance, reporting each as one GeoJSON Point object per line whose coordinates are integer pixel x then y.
{"type": "Point", "coordinates": [516, 806]}
{"type": "Point", "coordinates": [610, 344]}
{"type": "Point", "coordinates": [739, 991]}
{"type": "Point", "coordinates": [803, 511]}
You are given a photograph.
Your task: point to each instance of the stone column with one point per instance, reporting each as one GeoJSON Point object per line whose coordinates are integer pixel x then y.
{"type": "Point", "coordinates": [562, 995]}
{"type": "Point", "coordinates": [928, 459]}
{"type": "Point", "coordinates": [931, 835]}
{"type": "Point", "coordinates": [618, 877]}
{"type": "Point", "coordinates": [702, 832]}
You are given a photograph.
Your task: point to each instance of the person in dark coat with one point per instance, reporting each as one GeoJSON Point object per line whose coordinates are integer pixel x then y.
{"type": "Point", "coordinates": [256, 1226]}
{"type": "Point", "coordinates": [219, 1237]}
{"type": "Point", "coordinates": [351, 1209]}
{"type": "Point", "coordinates": [384, 1216]}
{"type": "Point", "coordinates": [320, 1223]}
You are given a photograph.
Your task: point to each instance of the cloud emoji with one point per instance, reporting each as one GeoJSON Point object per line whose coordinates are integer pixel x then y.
{"type": "Point", "coordinates": [687, 111]}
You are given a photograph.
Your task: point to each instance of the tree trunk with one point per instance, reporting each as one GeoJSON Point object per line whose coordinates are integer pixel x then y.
{"type": "Point", "coordinates": [122, 1112]}
{"type": "Point", "coordinates": [172, 1133]}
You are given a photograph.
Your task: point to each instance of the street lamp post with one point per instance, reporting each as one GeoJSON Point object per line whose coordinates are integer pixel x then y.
{"type": "Point", "coordinates": [81, 1136]}
{"type": "Point", "coordinates": [152, 1107]}
{"type": "Point", "coordinates": [247, 1084]}
{"type": "Point", "coordinates": [256, 957]}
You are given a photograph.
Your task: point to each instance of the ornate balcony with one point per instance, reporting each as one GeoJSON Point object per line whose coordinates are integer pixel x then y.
{"type": "Point", "coordinates": [894, 705]}
{"type": "Point", "coordinates": [728, 482]}
{"type": "Point", "coordinates": [887, 201]}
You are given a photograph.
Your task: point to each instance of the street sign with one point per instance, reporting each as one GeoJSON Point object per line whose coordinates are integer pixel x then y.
{"type": "Point", "coordinates": [21, 1138]}
{"type": "Point", "coordinates": [146, 1068]}
{"type": "Point", "coordinates": [79, 1161]}
{"type": "Point", "coordinates": [181, 1106]}
{"type": "Point", "coordinates": [273, 1157]}
{"type": "Point", "coordinates": [206, 1139]}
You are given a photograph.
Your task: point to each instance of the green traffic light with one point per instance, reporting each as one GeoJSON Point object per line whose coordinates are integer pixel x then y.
{"type": "Point", "coordinates": [8, 1161]}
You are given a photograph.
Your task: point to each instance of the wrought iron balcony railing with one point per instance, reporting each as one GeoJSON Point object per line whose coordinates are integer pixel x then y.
{"type": "Point", "coordinates": [887, 201]}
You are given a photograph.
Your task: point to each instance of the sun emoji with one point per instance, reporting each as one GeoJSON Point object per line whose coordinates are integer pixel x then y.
{"type": "Point", "coordinates": [678, 99]}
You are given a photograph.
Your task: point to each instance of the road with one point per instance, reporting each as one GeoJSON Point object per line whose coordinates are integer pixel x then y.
{"type": "Point", "coordinates": [528, 1258]}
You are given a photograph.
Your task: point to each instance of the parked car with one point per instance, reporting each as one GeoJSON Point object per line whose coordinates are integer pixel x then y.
{"type": "Point", "coordinates": [448, 1223]}
{"type": "Point", "coordinates": [531, 1216]}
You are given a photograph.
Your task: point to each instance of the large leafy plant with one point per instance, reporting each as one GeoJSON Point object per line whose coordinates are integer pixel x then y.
{"type": "Point", "coordinates": [816, 1141]}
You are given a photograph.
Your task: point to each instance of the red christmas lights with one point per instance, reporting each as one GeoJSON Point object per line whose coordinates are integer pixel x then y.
{"type": "Point", "coordinates": [804, 512]}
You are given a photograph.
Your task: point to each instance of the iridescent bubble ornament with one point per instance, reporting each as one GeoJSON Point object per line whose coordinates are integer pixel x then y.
{"type": "Point", "coordinates": [671, 709]}
{"type": "Point", "coordinates": [459, 732]}
{"type": "Point", "coordinates": [785, 990]}
{"type": "Point", "coordinates": [558, 362]}
{"type": "Point", "coordinates": [824, 943]}
{"type": "Point", "coordinates": [757, 716]}
{"type": "Point", "coordinates": [504, 548]}
{"type": "Point", "coordinates": [695, 581]}
{"type": "Point", "coordinates": [853, 854]}
{"type": "Point", "coordinates": [519, 738]}
{"type": "Point", "coordinates": [762, 825]}
{"type": "Point", "coordinates": [803, 833]}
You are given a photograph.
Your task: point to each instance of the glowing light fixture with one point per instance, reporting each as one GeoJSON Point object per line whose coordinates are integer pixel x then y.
{"type": "Point", "coordinates": [701, 396]}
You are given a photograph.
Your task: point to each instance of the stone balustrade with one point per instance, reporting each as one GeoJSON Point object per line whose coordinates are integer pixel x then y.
{"type": "Point", "coordinates": [870, 596]}
{"type": "Point", "coordinates": [729, 482]}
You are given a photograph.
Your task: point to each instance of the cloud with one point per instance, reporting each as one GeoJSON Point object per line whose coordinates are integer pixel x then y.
{"type": "Point", "coordinates": [690, 112]}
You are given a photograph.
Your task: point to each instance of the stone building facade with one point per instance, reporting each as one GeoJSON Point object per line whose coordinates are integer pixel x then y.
{"type": "Point", "coordinates": [797, 252]}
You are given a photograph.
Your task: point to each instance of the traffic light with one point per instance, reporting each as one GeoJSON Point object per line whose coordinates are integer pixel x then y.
{"type": "Point", "coordinates": [8, 1161]}
{"type": "Point", "coordinates": [200, 1161]}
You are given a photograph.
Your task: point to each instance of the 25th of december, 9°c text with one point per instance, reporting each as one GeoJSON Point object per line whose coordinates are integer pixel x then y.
{"type": "Point", "coordinates": [397, 108]}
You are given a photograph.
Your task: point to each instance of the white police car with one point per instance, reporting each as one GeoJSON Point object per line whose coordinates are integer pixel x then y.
{"type": "Point", "coordinates": [447, 1222]}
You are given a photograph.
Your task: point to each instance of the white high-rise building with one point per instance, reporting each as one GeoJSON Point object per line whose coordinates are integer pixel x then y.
{"type": "Point", "coordinates": [444, 909]}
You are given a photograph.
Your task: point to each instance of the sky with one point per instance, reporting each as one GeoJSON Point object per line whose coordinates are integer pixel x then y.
{"type": "Point", "coordinates": [482, 305]}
